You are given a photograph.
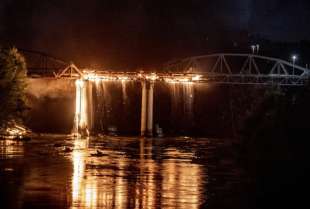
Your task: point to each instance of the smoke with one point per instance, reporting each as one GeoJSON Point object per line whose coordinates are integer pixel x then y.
{"type": "Point", "coordinates": [52, 105]}
{"type": "Point", "coordinates": [52, 88]}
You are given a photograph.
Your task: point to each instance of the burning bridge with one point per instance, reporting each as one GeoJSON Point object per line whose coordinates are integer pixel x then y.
{"type": "Point", "coordinates": [225, 69]}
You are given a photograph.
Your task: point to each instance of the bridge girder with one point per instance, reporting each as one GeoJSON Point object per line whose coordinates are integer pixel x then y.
{"type": "Point", "coordinates": [250, 69]}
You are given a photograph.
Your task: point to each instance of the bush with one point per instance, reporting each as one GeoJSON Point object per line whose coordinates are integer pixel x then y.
{"type": "Point", "coordinates": [13, 74]}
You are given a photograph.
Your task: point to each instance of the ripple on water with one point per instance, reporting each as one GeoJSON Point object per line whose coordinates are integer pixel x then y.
{"type": "Point", "coordinates": [114, 172]}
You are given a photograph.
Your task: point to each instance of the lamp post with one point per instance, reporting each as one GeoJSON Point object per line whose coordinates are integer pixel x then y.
{"type": "Point", "coordinates": [255, 47]}
{"type": "Point", "coordinates": [294, 58]}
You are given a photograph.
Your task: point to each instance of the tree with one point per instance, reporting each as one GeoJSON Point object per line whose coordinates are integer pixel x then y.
{"type": "Point", "coordinates": [13, 74]}
{"type": "Point", "coordinates": [275, 142]}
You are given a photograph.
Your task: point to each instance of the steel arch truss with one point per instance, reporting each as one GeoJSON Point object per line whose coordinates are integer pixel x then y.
{"type": "Point", "coordinates": [40, 64]}
{"type": "Point", "coordinates": [242, 69]}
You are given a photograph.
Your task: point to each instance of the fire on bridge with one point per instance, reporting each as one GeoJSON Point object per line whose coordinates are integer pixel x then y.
{"type": "Point", "coordinates": [216, 68]}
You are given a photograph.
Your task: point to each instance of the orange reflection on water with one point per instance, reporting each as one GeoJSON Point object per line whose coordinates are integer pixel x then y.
{"type": "Point", "coordinates": [182, 182]}
{"type": "Point", "coordinates": [101, 187]}
{"type": "Point", "coordinates": [121, 187]}
{"type": "Point", "coordinates": [78, 158]}
{"type": "Point", "coordinates": [118, 180]}
{"type": "Point", "coordinates": [146, 185]}
{"type": "Point", "coordinates": [10, 148]}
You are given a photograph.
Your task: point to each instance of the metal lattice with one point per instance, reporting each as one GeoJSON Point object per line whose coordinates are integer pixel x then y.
{"type": "Point", "coordinates": [242, 69]}
{"type": "Point", "coordinates": [41, 64]}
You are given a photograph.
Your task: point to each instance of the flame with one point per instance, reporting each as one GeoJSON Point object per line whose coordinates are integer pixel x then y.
{"type": "Point", "coordinates": [179, 79]}
{"type": "Point", "coordinates": [15, 130]}
{"type": "Point", "coordinates": [196, 77]}
{"type": "Point", "coordinates": [170, 80]}
{"type": "Point", "coordinates": [184, 80]}
{"type": "Point", "coordinates": [109, 76]}
{"type": "Point", "coordinates": [80, 106]}
{"type": "Point", "coordinates": [151, 77]}
{"type": "Point", "coordinates": [123, 78]}
{"type": "Point", "coordinates": [81, 117]}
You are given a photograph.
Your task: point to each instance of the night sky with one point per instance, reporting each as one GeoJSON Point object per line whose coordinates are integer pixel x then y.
{"type": "Point", "coordinates": [128, 34]}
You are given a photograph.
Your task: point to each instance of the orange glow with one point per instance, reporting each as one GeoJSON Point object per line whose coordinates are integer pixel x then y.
{"type": "Point", "coordinates": [170, 80]}
{"type": "Point", "coordinates": [181, 184]}
{"type": "Point", "coordinates": [181, 179]}
{"type": "Point", "coordinates": [196, 78]}
{"type": "Point", "coordinates": [15, 131]}
{"type": "Point", "coordinates": [151, 77]}
{"type": "Point", "coordinates": [125, 76]}
{"type": "Point", "coordinates": [80, 106]}
{"type": "Point", "coordinates": [178, 79]}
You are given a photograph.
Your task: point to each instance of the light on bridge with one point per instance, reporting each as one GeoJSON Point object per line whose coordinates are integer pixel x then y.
{"type": "Point", "coordinates": [79, 83]}
{"type": "Point", "coordinates": [294, 57]}
{"type": "Point", "coordinates": [184, 80]}
{"type": "Point", "coordinates": [170, 80]}
{"type": "Point", "coordinates": [152, 77]}
{"type": "Point", "coordinates": [123, 78]}
{"type": "Point", "coordinates": [196, 78]}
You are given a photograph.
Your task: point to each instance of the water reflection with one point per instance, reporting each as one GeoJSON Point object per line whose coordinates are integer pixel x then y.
{"type": "Point", "coordinates": [78, 157]}
{"type": "Point", "coordinates": [123, 174]}
{"type": "Point", "coordinates": [181, 187]}
{"type": "Point", "coordinates": [11, 148]}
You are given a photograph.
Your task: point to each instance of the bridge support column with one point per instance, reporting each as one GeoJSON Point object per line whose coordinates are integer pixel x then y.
{"type": "Point", "coordinates": [147, 108]}
{"type": "Point", "coordinates": [150, 110]}
{"type": "Point", "coordinates": [90, 111]}
{"type": "Point", "coordinates": [143, 108]}
{"type": "Point", "coordinates": [81, 119]}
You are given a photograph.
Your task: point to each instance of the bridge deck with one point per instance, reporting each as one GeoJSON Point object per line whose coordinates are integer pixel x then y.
{"type": "Point", "coordinates": [214, 68]}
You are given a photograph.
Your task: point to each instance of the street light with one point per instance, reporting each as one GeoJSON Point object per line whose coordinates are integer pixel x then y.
{"type": "Point", "coordinates": [255, 47]}
{"type": "Point", "coordinates": [294, 58]}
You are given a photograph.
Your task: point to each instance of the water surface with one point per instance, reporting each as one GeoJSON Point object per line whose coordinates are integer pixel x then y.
{"type": "Point", "coordinates": [119, 172]}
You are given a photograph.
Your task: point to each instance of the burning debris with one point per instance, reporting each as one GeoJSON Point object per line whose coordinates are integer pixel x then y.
{"type": "Point", "coordinates": [14, 130]}
{"type": "Point", "coordinates": [150, 76]}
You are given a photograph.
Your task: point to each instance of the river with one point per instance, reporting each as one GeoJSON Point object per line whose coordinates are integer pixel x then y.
{"type": "Point", "coordinates": [53, 171]}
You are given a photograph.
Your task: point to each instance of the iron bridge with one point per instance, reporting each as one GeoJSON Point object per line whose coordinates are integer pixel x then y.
{"type": "Point", "coordinates": [231, 69]}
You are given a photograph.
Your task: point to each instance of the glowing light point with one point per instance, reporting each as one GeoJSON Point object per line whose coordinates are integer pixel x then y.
{"type": "Point", "coordinates": [123, 78]}
{"type": "Point", "coordinates": [80, 121]}
{"type": "Point", "coordinates": [294, 57]}
{"type": "Point", "coordinates": [196, 78]}
{"type": "Point", "coordinates": [79, 83]}
{"type": "Point", "coordinates": [152, 77]}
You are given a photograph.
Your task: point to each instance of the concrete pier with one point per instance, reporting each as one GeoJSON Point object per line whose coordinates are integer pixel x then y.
{"type": "Point", "coordinates": [150, 110]}
{"type": "Point", "coordinates": [147, 104]}
{"type": "Point", "coordinates": [90, 109]}
{"type": "Point", "coordinates": [143, 108]}
{"type": "Point", "coordinates": [81, 121]}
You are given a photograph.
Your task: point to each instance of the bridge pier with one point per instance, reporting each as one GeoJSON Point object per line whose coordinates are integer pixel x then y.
{"type": "Point", "coordinates": [147, 108]}
{"type": "Point", "coordinates": [90, 109]}
{"type": "Point", "coordinates": [150, 110]}
{"type": "Point", "coordinates": [143, 108]}
{"type": "Point", "coordinates": [83, 120]}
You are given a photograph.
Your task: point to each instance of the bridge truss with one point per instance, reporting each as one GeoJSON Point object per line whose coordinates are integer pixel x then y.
{"type": "Point", "coordinates": [242, 69]}
{"type": "Point", "coordinates": [40, 64]}
{"type": "Point", "coordinates": [230, 69]}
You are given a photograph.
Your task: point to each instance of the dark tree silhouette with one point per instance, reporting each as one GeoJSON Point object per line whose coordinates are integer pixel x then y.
{"type": "Point", "coordinates": [12, 86]}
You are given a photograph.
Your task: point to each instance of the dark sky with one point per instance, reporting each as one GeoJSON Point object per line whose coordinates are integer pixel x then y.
{"type": "Point", "coordinates": [120, 33]}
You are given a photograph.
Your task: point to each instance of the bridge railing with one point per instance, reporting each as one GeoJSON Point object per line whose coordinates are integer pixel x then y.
{"type": "Point", "coordinates": [242, 69]}
{"type": "Point", "coordinates": [215, 68]}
